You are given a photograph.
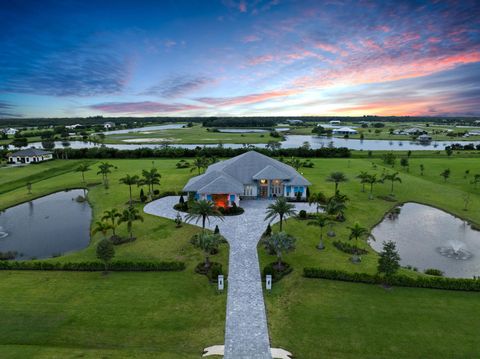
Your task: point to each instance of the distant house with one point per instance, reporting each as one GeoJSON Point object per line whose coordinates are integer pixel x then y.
{"type": "Point", "coordinates": [249, 175]}
{"type": "Point", "coordinates": [474, 133]}
{"type": "Point", "coordinates": [109, 125]}
{"type": "Point", "coordinates": [295, 122]}
{"type": "Point", "coordinates": [424, 138]}
{"type": "Point", "coordinates": [30, 155]}
{"type": "Point", "coordinates": [9, 131]}
{"type": "Point", "coordinates": [72, 127]}
{"type": "Point", "coordinates": [335, 122]}
{"type": "Point", "coordinates": [414, 131]}
{"type": "Point", "coordinates": [344, 131]}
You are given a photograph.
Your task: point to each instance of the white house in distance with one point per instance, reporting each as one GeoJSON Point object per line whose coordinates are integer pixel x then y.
{"type": "Point", "coordinates": [30, 155]}
{"type": "Point", "coordinates": [109, 125]}
{"type": "Point", "coordinates": [335, 122]}
{"type": "Point", "coordinates": [9, 131]}
{"type": "Point", "coordinates": [248, 176]}
{"type": "Point", "coordinates": [344, 131]}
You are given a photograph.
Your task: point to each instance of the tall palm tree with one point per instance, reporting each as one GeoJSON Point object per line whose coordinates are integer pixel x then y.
{"type": "Point", "coordinates": [104, 170]}
{"type": "Point", "coordinates": [295, 163]}
{"type": "Point", "coordinates": [320, 221]}
{"type": "Point", "coordinates": [335, 207]}
{"type": "Point", "coordinates": [203, 210]}
{"type": "Point", "coordinates": [199, 163]}
{"type": "Point", "coordinates": [207, 242]}
{"type": "Point", "coordinates": [318, 199]}
{"type": "Point", "coordinates": [151, 177]}
{"type": "Point", "coordinates": [392, 177]}
{"type": "Point", "coordinates": [130, 181]}
{"type": "Point", "coordinates": [111, 215]}
{"type": "Point", "coordinates": [129, 216]}
{"type": "Point", "coordinates": [371, 180]}
{"type": "Point", "coordinates": [357, 232]}
{"type": "Point", "coordinates": [103, 227]}
{"type": "Point", "coordinates": [362, 177]}
{"type": "Point", "coordinates": [83, 167]}
{"type": "Point", "coordinates": [280, 208]}
{"type": "Point", "coordinates": [337, 178]}
{"type": "Point", "coordinates": [281, 243]}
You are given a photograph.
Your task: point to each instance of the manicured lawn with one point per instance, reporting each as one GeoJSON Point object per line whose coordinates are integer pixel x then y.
{"type": "Point", "coordinates": [329, 319]}
{"type": "Point", "coordinates": [121, 315]}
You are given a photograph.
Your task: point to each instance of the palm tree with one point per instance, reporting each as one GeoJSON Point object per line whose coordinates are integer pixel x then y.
{"type": "Point", "coordinates": [295, 163]}
{"type": "Point", "coordinates": [208, 242]}
{"type": "Point", "coordinates": [203, 210]}
{"type": "Point", "coordinates": [281, 243]}
{"type": "Point", "coordinates": [371, 180]}
{"type": "Point", "coordinates": [357, 232]}
{"type": "Point", "coordinates": [280, 208]}
{"type": "Point", "coordinates": [150, 178]}
{"type": "Point", "coordinates": [320, 221]}
{"type": "Point", "coordinates": [392, 177]}
{"type": "Point", "coordinates": [111, 215]}
{"type": "Point", "coordinates": [476, 179]}
{"type": "Point", "coordinates": [335, 207]}
{"type": "Point", "coordinates": [104, 170]}
{"type": "Point", "coordinates": [83, 167]}
{"type": "Point", "coordinates": [337, 177]}
{"type": "Point", "coordinates": [445, 174]}
{"type": "Point", "coordinates": [362, 177]}
{"type": "Point", "coordinates": [130, 181]}
{"type": "Point", "coordinates": [199, 163]}
{"type": "Point", "coordinates": [318, 199]}
{"type": "Point", "coordinates": [129, 216]}
{"type": "Point", "coordinates": [102, 227]}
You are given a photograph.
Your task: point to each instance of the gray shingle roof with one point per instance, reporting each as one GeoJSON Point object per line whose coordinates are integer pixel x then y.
{"type": "Point", "coordinates": [231, 175]}
{"type": "Point", "coordinates": [29, 152]}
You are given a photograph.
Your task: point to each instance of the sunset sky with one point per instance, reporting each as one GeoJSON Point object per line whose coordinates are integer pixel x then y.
{"type": "Point", "coordinates": [216, 58]}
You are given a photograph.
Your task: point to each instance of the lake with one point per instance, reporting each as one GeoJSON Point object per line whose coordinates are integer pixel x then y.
{"type": "Point", "coordinates": [47, 226]}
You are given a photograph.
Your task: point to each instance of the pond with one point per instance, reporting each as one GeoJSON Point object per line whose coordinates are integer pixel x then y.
{"type": "Point", "coordinates": [427, 237]}
{"type": "Point", "coordinates": [46, 227]}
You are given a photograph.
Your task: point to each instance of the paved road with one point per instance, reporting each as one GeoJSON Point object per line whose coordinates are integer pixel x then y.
{"type": "Point", "coordinates": [246, 331]}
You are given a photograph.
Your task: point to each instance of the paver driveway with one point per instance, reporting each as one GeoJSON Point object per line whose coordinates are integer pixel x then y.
{"type": "Point", "coordinates": [246, 331]}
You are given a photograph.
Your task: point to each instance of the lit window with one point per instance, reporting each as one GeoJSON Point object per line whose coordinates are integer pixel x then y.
{"type": "Point", "coordinates": [263, 181]}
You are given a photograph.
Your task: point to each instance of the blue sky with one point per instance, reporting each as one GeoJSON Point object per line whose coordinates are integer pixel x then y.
{"type": "Point", "coordinates": [208, 58]}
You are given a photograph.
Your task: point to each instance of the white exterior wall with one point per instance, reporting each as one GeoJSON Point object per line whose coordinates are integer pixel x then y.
{"type": "Point", "coordinates": [250, 190]}
{"type": "Point", "coordinates": [29, 159]}
{"type": "Point", "coordinates": [292, 192]}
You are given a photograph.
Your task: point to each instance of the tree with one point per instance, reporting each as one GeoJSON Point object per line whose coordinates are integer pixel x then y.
{"type": "Point", "coordinates": [207, 242]}
{"type": "Point", "coordinates": [199, 163]}
{"type": "Point", "coordinates": [130, 181]}
{"type": "Point", "coordinates": [129, 216]}
{"type": "Point", "coordinates": [422, 169]}
{"type": "Point", "coordinates": [83, 167]}
{"type": "Point", "coordinates": [150, 178]}
{"type": "Point", "coordinates": [389, 260]}
{"type": "Point", "coordinates": [449, 151]}
{"type": "Point", "coordinates": [404, 163]}
{"type": "Point", "coordinates": [392, 177]}
{"type": "Point", "coordinates": [337, 178]}
{"type": "Point", "coordinates": [104, 170]}
{"type": "Point", "coordinates": [295, 163]}
{"type": "Point", "coordinates": [203, 210]}
{"type": "Point", "coordinates": [335, 207]}
{"type": "Point", "coordinates": [357, 232]}
{"type": "Point", "coordinates": [103, 227]}
{"type": "Point", "coordinates": [105, 252]}
{"type": "Point", "coordinates": [48, 144]}
{"type": "Point", "coordinates": [281, 243]}
{"type": "Point", "coordinates": [467, 172]}
{"type": "Point", "coordinates": [111, 215]}
{"type": "Point", "coordinates": [362, 177]}
{"type": "Point", "coordinates": [372, 180]}
{"type": "Point", "coordinates": [445, 174]}
{"type": "Point", "coordinates": [318, 199]}
{"type": "Point", "coordinates": [280, 208]}
{"type": "Point", "coordinates": [320, 221]}
{"type": "Point", "coordinates": [389, 159]}
{"type": "Point", "coordinates": [476, 180]}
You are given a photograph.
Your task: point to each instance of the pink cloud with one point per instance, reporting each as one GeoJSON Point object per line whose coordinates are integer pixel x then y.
{"type": "Point", "coordinates": [242, 6]}
{"type": "Point", "coordinates": [142, 107]}
{"type": "Point", "coordinates": [257, 60]}
{"type": "Point", "coordinates": [326, 47]}
{"type": "Point", "coordinates": [246, 99]}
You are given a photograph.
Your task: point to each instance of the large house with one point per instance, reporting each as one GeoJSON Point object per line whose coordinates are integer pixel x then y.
{"type": "Point", "coordinates": [30, 155]}
{"type": "Point", "coordinates": [247, 176]}
{"type": "Point", "coordinates": [344, 131]}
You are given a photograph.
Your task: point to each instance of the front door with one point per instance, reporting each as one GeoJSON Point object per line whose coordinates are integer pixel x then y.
{"type": "Point", "coordinates": [264, 191]}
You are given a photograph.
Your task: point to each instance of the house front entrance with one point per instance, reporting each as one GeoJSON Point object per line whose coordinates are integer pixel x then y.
{"type": "Point", "coordinates": [221, 200]}
{"type": "Point", "coordinates": [263, 191]}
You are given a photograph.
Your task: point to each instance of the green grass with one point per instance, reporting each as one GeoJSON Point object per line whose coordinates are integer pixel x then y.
{"type": "Point", "coordinates": [191, 135]}
{"type": "Point", "coordinates": [121, 315]}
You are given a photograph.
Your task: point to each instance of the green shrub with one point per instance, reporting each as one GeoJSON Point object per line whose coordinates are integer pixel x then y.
{"type": "Point", "coordinates": [93, 266]}
{"type": "Point", "coordinates": [349, 248]}
{"type": "Point", "coordinates": [433, 271]}
{"type": "Point", "coordinates": [302, 214]}
{"type": "Point", "coordinates": [212, 272]}
{"type": "Point", "coordinates": [275, 273]}
{"type": "Point", "coordinates": [395, 280]}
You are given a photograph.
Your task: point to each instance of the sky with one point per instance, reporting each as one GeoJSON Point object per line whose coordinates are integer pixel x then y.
{"type": "Point", "coordinates": [239, 58]}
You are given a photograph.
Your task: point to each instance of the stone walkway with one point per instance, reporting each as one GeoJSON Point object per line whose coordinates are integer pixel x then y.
{"type": "Point", "coordinates": [246, 331]}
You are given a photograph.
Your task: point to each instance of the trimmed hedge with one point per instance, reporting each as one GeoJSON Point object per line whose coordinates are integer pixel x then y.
{"type": "Point", "coordinates": [348, 248]}
{"type": "Point", "coordinates": [276, 275]}
{"type": "Point", "coordinates": [118, 265]}
{"type": "Point", "coordinates": [396, 280]}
